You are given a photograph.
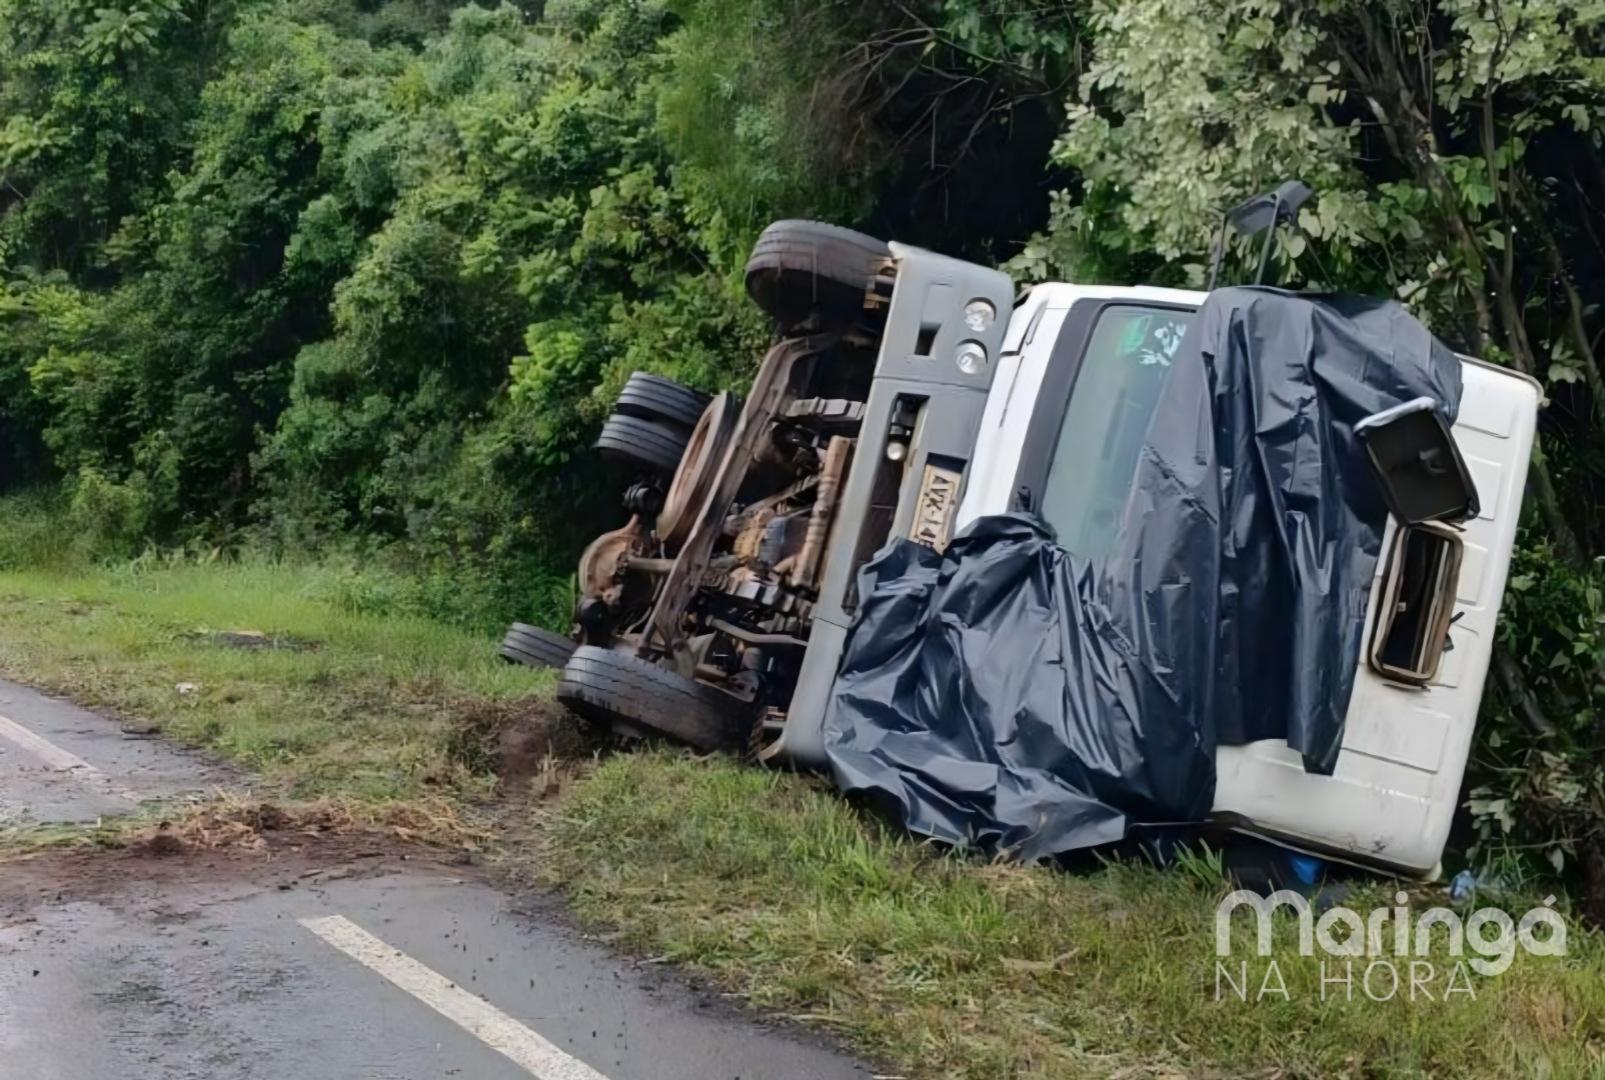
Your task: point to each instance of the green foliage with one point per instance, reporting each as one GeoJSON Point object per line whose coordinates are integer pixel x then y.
{"type": "Point", "coordinates": [36, 534]}
{"type": "Point", "coordinates": [1183, 105]}
{"type": "Point", "coordinates": [108, 518]}
{"type": "Point", "coordinates": [94, 109]}
{"type": "Point", "coordinates": [759, 115]}
{"type": "Point", "coordinates": [377, 286]}
{"type": "Point", "coordinates": [1541, 792]}
{"type": "Point", "coordinates": [364, 278]}
{"type": "Point", "coordinates": [1455, 151]}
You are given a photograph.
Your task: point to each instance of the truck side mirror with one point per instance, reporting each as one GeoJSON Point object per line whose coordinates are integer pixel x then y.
{"type": "Point", "coordinates": [1426, 485]}
{"type": "Point", "coordinates": [1417, 463]}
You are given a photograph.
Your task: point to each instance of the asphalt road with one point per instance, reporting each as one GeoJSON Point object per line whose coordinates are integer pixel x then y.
{"type": "Point", "coordinates": [60, 763]}
{"type": "Point", "coordinates": [313, 960]}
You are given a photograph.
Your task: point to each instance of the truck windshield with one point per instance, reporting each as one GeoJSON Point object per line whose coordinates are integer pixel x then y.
{"type": "Point", "coordinates": [1128, 356]}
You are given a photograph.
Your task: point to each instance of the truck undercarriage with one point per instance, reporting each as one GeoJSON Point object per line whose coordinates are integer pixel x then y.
{"type": "Point", "coordinates": [695, 616]}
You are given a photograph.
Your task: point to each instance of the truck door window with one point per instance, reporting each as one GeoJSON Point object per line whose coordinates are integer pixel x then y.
{"type": "Point", "coordinates": [1129, 352]}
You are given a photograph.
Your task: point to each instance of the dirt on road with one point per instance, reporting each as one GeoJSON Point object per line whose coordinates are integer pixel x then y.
{"type": "Point", "coordinates": [241, 938]}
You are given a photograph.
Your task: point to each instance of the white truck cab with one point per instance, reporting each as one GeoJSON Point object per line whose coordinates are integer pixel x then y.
{"type": "Point", "coordinates": [908, 395]}
{"type": "Point", "coordinates": [1405, 743]}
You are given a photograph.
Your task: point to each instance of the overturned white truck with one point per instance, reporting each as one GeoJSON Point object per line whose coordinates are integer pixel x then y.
{"type": "Point", "coordinates": [908, 395]}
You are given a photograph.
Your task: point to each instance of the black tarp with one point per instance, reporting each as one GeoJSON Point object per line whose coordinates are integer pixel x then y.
{"type": "Point", "coordinates": [1007, 695]}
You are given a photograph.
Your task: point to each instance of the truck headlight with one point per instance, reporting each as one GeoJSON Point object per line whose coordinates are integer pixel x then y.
{"type": "Point", "coordinates": [978, 315]}
{"type": "Point", "coordinates": [970, 356]}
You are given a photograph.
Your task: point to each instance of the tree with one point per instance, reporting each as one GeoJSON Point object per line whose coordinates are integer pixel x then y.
{"type": "Point", "coordinates": [1455, 147]}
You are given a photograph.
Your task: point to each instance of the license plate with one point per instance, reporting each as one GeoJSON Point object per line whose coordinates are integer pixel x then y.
{"type": "Point", "coordinates": [933, 514]}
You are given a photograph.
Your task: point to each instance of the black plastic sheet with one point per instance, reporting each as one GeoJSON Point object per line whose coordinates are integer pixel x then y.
{"type": "Point", "coordinates": [1006, 695]}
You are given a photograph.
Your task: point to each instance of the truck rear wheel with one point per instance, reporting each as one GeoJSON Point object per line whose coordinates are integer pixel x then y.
{"type": "Point", "coordinates": [806, 269]}
{"type": "Point", "coordinates": [534, 647]}
{"type": "Point", "coordinates": [643, 444]}
{"type": "Point", "coordinates": [652, 397]}
{"type": "Point", "coordinates": [619, 689]}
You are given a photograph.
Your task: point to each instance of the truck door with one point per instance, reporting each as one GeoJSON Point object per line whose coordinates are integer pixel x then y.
{"type": "Point", "coordinates": [1091, 415]}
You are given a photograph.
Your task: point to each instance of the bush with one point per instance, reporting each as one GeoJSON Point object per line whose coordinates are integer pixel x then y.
{"type": "Point", "coordinates": [34, 531]}
{"type": "Point", "coordinates": [108, 519]}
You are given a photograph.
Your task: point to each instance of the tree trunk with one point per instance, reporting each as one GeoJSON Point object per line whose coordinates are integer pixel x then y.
{"type": "Point", "coordinates": [1575, 328]}
{"type": "Point", "coordinates": [1523, 702]}
{"type": "Point", "coordinates": [1409, 133]}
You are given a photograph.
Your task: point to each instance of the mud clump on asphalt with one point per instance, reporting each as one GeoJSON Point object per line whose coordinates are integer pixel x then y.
{"type": "Point", "coordinates": [234, 823]}
{"type": "Point", "coordinates": [524, 743]}
{"type": "Point", "coordinates": [229, 823]}
{"type": "Point", "coordinates": [235, 843]}
{"type": "Point", "coordinates": [266, 817]}
{"type": "Point", "coordinates": [160, 843]}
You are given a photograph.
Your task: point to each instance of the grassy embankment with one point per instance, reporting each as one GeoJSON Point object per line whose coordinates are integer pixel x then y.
{"type": "Point", "coordinates": [299, 673]}
{"type": "Point", "coordinates": [937, 965]}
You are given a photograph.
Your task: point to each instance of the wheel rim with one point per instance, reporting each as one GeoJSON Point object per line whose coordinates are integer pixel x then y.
{"type": "Point", "coordinates": [695, 476]}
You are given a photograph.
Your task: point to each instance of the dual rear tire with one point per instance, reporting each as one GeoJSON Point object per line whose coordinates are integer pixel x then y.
{"type": "Point", "coordinates": [651, 424]}
{"type": "Point", "coordinates": [635, 698]}
{"type": "Point", "coordinates": [639, 699]}
{"type": "Point", "coordinates": [534, 647]}
{"type": "Point", "coordinates": [653, 397]}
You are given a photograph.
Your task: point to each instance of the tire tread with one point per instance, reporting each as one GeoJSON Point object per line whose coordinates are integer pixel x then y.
{"type": "Point", "coordinates": [800, 268]}
{"type": "Point", "coordinates": [534, 647]}
{"type": "Point", "coordinates": [653, 397]}
{"type": "Point", "coordinates": [648, 444]}
{"type": "Point", "coordinates": [604, 684]}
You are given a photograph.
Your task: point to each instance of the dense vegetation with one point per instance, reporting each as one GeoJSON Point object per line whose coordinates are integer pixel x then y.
{"type": "Point", "coordinates": [358, 277]}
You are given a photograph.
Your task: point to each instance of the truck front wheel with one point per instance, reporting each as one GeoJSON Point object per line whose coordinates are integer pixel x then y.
{"type": "Point", "coordinates": [803, 271]}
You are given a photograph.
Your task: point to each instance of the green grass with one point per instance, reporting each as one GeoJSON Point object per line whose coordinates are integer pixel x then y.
{"type": "Point", "coordinates": [365, 705]}
{"type": "Point", "coordinates": [936, 965]}
{"type": "Point", "coordinates": [946, 966]}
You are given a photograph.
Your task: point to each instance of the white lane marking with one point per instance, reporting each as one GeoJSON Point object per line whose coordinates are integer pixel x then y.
{"type": "Point", "coordinates": [479, 1018]}
{"type": "Point", "coordinates": [60, 760]}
